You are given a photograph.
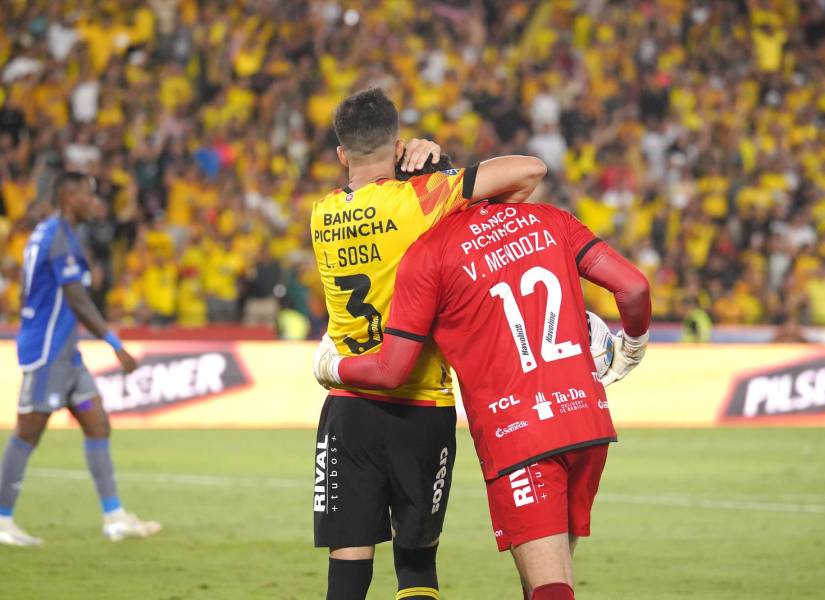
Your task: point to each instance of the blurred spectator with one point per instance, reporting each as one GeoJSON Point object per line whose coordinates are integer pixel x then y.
{"type": "Point", "coordinates": [9, 291]}
{"type": "Point", "coordinates": [696, 325]}
{"type": "Point", "coordinates": [815, 291]}
{"type": "Point", "coordinates": [160, 289]}
{"type": "Point", "coordinates": [222, 269]}
{"type": "Point", "coordinates": [192, 307]}
{"type": "Point", "coordinates": [789, 331]}
{"type": "Point", "coordinates": [549, 145]}
{"type": "Point", "coordinates": [84, 98]}
{"type": "Point", "coordinates": [261, 306]}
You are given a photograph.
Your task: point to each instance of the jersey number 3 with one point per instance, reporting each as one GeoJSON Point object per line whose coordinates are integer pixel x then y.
{"type": "Point", "coordinates": [550, 350]}
{"type": "Point", "coordinates": [360, 286]}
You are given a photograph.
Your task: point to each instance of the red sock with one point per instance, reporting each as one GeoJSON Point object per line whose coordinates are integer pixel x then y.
{"type": "Point", "coordinates": [553, 591]}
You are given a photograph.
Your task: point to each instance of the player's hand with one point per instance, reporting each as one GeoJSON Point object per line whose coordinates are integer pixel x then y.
{"type": "Point", "coordinates": [416, 153]}
{"type": "Point", "coordinates": [628, 352]}
{"type": "Point", "coordinates": [325, 363]}
{"type": "Point", "coordinates": [127, 361]}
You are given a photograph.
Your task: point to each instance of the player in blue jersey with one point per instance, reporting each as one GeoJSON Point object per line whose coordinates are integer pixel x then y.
{"type": "Point", "coordinates": [54, 299]}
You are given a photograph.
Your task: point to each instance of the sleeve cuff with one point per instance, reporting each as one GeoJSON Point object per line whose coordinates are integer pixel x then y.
{"type": "Point", "coordinates": [469, 182]}
{"type": "Point", "coordinates": [586, 249]}
{"type": "Point", "coordinates": [405, 334]}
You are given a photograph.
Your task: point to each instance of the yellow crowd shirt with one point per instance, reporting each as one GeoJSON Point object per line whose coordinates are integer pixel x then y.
{"type": "Point", "coordinates": [160, 287]}
{"type": "Point", "coordinates": [359, 238]}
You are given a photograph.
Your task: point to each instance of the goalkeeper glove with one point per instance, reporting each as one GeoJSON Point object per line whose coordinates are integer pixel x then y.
{"type": "Point", "coordinates": [325, 363]}
{"type": "Point", "coordinates": [628, 352]}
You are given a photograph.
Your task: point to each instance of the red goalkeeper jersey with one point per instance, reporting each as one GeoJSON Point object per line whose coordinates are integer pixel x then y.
{"type": "Point", "coordinates": [498, 289]}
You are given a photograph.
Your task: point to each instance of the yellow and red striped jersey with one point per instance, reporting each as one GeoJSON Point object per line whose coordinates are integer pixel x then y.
{"type": "Point", "coordinates": [359, 238]}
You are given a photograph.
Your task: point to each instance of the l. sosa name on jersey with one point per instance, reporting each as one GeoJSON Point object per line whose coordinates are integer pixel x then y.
{"type": "Point", "coordinates": [352, 224]}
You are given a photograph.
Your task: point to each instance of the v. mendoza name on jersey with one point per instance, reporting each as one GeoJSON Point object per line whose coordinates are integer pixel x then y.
{"type": "Point", "coordinates": [350, 224]}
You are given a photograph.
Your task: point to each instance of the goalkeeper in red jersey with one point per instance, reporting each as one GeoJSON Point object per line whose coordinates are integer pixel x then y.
{"type": "Point", "coordinates": [497, 288]}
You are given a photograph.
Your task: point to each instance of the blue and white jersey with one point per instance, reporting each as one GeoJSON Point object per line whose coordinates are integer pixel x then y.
{"type": "Point", "coordinates": [53, 258]}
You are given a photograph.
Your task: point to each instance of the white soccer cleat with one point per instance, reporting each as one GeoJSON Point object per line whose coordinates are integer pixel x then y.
{"type": "Point", "coordinates": [12, 535]}
{"type": "Point", "coordinates": [122, 525]}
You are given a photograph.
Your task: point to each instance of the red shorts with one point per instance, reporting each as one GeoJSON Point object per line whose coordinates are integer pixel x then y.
{"type": "Point", "coordinates": [549, 497]}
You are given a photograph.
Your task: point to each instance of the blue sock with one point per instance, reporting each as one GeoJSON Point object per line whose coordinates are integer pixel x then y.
{"type": "Point", "coordinates": [99, 461]}
{"type": "Point", "coordinates": [11, 473]}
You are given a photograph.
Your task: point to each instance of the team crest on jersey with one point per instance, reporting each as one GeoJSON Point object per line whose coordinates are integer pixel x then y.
{"type": "Point", "coordinates": [450, 172]}
{"type": "Point", "coordinates": [349, 197]}
{"type": "Point", "coordinates": [72, 268]}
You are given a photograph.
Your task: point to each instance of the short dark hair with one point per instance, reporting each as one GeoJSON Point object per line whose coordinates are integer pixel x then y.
{"type": "Point", "coordinates": [71, 177]}
{"type": "Point", "coordinates": [366, 121]}
{"type": "Point", "coordinates": [444, 164]}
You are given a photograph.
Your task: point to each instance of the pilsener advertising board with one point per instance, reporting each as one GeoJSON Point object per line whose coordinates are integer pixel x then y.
{"type": "Point", "coordinates": [270, 384]}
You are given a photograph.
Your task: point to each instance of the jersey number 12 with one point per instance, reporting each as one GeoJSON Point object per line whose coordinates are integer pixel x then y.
{"type": "Point", "coordinates": [550, 350]}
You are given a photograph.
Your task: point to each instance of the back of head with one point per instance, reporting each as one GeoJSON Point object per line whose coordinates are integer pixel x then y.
{"type": "Point", "coordinates": [70, 179]}
{"type": "Point", "coordinates": [366, 123]}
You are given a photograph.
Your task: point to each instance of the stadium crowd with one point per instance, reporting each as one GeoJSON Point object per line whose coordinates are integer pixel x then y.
{"type": "Point", "coordinates": [689, 134]}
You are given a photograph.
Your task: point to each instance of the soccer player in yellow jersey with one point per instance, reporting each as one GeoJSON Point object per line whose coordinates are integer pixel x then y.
{"type": "Point", "coordinates": [384, 459]}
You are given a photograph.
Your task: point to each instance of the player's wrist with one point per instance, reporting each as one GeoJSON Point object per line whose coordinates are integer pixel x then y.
{"type": "Point", "coordinates": [325, 363]}
{"type": "Point", "coordinates": [638, 340]}
{"type": "Point", "coordinates": [111, 338]}
{"type": "Point", "coordinates": [634, 347]}
{"type": "Point", "coordinates": [334, 370]}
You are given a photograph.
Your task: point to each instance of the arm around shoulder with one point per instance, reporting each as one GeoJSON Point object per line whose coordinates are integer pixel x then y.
{"type": "Point", "coordinates": [510, 178]}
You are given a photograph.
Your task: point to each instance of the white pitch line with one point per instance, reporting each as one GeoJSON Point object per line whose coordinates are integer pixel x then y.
{"type": "Point", "coordinates": [689, 502]}
{"type": "Point", "coordinates": [672, 501]}
{"type": "Point", "coordinates": [175, 478]}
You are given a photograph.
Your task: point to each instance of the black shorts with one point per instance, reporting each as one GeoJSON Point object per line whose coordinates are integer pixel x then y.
{"type": "Point", "coordinates": [379, 464]}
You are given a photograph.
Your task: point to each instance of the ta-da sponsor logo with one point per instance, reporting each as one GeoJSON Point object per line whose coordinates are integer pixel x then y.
{"type": "Point", "coordinates": [511, 428]}
{"type": "Point", "coordinates": [163, 380]}
{"type": "Point", "coordinates": [571, 400]}
{"type": "Point", "coordinates": [796, 389]}
{"type": "Point", "coordinates": [543, 407]}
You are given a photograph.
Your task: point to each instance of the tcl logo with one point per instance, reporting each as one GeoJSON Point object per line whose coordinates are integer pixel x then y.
{"type": "Point", "coordinates": [503, 404]}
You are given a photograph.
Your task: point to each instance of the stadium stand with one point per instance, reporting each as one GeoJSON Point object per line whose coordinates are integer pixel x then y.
{"type": "Point", "coordinates": [688, 134]}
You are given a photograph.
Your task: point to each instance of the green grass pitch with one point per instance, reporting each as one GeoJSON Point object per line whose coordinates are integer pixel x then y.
{"type": "Point", "coordinates": [713, 514]}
